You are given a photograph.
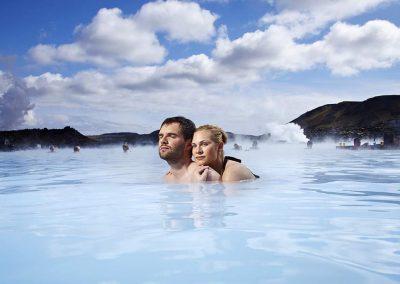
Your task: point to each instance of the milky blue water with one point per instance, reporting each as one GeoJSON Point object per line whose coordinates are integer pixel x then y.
{"type": "Point", "coordinates": [104, 216]}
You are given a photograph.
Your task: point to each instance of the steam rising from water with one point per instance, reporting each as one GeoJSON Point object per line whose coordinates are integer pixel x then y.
{"type": "Point", "coordinates": [291, 133]}
{"type": "Point", "coordinates": [15, 105]}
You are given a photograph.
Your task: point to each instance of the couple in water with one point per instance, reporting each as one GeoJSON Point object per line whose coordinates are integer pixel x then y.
{"type": "Point", "coordinates": [179, 140]}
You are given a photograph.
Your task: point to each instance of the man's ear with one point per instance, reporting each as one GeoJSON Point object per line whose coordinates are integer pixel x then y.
{"type": "Point", "coordinates": [188, 147]}
{"type": "Point", "coordinates": [188, 144]}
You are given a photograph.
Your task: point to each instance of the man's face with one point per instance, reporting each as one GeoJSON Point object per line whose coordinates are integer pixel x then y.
{"type": "Point", "coordinates": [171, 143]}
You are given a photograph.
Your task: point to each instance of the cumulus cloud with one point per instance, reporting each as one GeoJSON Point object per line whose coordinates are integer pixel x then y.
{"type": "Point", "coordinates": [112, 38]}
{"type": "Point", "coordinates": [182, 21]}
{"type": "Point", "coordinates": [307, 16]}
{"type": "Point", "coordinates": [15, 104]}
{"type": "Point", "coordinates": [348, 49]}
{"type": "Point", "coordinates": [98, 102]}
{"type": "Point", "coordinates": [109, 39]}
{"type": "Point", "coordinates": [275, 48]}
{"type": "Point", "coordinates": [272, 49]}
{"type": "Point", "coordinates": [30, 118]}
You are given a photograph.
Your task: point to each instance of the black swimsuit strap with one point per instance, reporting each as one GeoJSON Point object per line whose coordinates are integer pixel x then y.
{"type": "Point", "coordinates": [226, 158]}
{"type": "Point", "coordinates": [230, 158]}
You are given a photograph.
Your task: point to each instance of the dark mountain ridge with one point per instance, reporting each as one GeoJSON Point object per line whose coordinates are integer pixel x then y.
{"type": "Point", "coordinates": [371, 118]}
{"type": "Point", "coordinates": [31, 138]}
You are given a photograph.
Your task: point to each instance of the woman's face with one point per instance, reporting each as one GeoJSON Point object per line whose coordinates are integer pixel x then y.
{"type": "Point", "coordinates": [204, 149]}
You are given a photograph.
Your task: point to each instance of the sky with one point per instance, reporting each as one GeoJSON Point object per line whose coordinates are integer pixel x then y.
{"type": "Point", "coordinates": [246, 66]}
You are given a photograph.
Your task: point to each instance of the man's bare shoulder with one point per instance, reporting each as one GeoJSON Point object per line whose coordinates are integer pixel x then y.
{"type": "Point", "coordinates": [169, 177]}
{"type": "Point", "coordinates": [182, 178]}
{"type": "Point", "coordinates": [192, 167]}
{"type": "Point", "coordinates": [235, 171]}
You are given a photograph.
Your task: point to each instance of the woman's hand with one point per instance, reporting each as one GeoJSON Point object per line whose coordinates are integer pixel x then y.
{"type": "Point", "coordinates": [201, 173]}
{"type": "Point", "coordinates": [205, 173]}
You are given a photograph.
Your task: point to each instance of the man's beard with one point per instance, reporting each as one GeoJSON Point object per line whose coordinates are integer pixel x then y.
{"type": "Point", "coordinates": [174, 155]}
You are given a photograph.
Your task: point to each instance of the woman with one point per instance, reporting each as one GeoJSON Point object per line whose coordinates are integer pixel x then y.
{"type": "Point", "coordinates": [208, 151]}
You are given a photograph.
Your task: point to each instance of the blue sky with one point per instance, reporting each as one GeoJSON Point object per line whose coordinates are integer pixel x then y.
{"type": "Point", "coordinates": [108, 66]}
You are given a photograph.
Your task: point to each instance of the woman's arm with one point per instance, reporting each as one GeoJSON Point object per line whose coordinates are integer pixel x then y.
{"type": "Point", "coordinates": [204, 173]}
{"type": "Point", "coordinates": [213, 175]}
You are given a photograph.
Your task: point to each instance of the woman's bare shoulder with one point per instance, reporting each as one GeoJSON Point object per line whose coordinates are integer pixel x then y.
{"type": "Point", "coordinates": [235, 171]}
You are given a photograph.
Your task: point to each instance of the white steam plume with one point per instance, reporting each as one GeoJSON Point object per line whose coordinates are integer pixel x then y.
{"type": "Point", "coordinates": [291, 133]}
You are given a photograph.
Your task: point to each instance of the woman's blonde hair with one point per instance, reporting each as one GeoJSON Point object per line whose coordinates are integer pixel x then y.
{"type": "Point", "coordinates": [217, 134]}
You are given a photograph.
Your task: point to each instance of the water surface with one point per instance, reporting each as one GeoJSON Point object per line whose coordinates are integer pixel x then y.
{"type": "Point", "coordinates": [104, 216]}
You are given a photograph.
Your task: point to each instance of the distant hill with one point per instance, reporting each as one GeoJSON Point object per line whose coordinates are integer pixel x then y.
{"type": "Point", "coordinates": [30, 138]}
{"type": "Point", "coordinates": [131, 138]}
{"type": "Point", "coordinates": [69, 137]}
{"type": "Point", "coordinates": [370, 118]}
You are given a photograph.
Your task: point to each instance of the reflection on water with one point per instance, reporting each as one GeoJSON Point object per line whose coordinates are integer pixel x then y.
{"type": "Point", "coordinates": [105, 217]}
{"type": "Point", "coordinates": [195, 206]}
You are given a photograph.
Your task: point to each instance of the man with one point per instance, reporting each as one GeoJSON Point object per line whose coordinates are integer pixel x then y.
{"type": "Point", "coordinates": [175, 147]}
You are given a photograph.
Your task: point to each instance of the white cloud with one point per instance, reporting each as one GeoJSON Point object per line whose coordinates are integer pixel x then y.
{"type": "Point", "coordinates": [348, 49]}
{"type": "Point", "coordinates": [345, 50]}
{"type": "Point", "coordinates": [44, 54]}
{"type": "Point", "coordinates": [182, 21]}
{"type": "Point", "coordinates": [108, 40]}
{"type": "Point", "coordinates": [112, 38]}
{"type": "Point", "coordinates": [30, 119]}
{"type": "Point", "coordinates": [15, 102]}
{"type": "Point", "coordinates": [272, 49]}
{"type": "Point", "coordinates": [245, 58]}
{"type": "Point", "coordinates": [98, 102]}
{"type": "Point", "coordinates": [61, 118]}
{"type": "Point", "coordinates": [307, 16]}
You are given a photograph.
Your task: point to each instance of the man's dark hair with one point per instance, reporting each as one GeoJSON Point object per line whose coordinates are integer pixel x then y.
{"type": "Point", "coordinates": [187, 126]}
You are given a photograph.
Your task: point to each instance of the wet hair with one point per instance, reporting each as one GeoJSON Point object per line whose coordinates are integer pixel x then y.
{"type": "Point", "coordinates": [187, 126]}
{"type": "Point", "coordinates": [217, 134]}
